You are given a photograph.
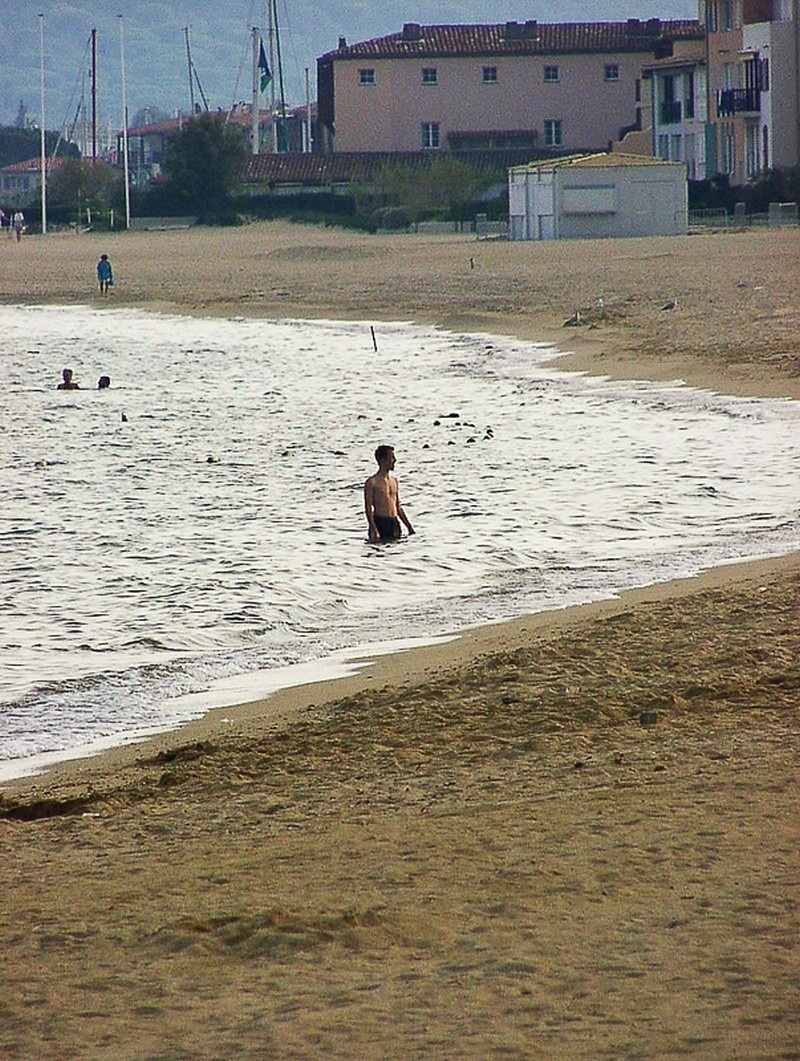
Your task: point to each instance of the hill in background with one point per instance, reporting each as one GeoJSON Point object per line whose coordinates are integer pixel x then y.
{"type": "Point", "coordinates": [156, 55]}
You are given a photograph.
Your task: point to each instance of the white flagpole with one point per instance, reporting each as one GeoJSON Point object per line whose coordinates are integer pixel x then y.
{"type": "Point", "coordinates": [42, 138]}
{"type": "Point", "coordinates": [273, 126]}
{"type": "Point", "coordinates": [125, 167]}
{"type": "Point", "coordinates": [256, 92]}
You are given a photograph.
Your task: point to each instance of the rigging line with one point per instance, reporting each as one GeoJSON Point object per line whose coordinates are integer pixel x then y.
{"type": "Point", "coordinates": [298, 66]}
{"type": "Point", "coordinates": [242, 61]}
{"type": "Point", "coordinates": [80, 78]}
{"type": "Point", "coordinates": [245, 53]}
{"type": "Point", "coordinates": [199, 85]}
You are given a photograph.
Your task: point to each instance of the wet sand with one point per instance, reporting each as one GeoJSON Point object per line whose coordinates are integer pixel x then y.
{"type": "Point", "coordinates": [574, 835]}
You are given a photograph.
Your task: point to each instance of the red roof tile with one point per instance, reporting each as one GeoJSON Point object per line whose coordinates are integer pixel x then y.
{"type": "Point", "coordinates": [34, 165]}
{"type": "Point", "coordinates": [515, 38]}
{"type": "Point", "coordinates": [353, 166]}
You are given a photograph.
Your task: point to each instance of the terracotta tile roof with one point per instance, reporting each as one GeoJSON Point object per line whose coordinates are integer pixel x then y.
{"type": "Point", "coordinates": [34, 165]}
{"type": "Point", "coordinates": [172, 125]}
{"type": "Point", "coordinates": [352, 166]}
{"type": "Point", "coordinates": [514, 38]}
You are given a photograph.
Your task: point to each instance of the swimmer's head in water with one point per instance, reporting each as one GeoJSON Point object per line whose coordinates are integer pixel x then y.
{"type": "Point", "coordinates": [103, 382]}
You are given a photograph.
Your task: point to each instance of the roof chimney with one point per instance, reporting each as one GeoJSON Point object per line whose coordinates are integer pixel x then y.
{"type": "Point", "coordinates": [531, 30]}
{"type": "Point", "coordinates": [342, 43]}
{"type": "Point", "coordinates": [412, 31]}
{"type": "Point", "coordinates": [653, 26]}
{"type": "Point", "coordinates": [633, 27]}
{"type": "Point", "coordinates": [513, 31]}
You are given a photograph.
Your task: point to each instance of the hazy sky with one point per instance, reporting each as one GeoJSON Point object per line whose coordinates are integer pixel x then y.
{"type": "Point", "coordinates": [219, 32]}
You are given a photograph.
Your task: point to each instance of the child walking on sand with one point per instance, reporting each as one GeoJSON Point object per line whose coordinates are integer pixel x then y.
{"type": "Point", "coordinates": [105, 276]}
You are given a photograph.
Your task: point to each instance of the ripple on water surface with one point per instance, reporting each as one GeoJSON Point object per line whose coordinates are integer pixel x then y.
{"type": "Point", "coordinates": [219, 526]}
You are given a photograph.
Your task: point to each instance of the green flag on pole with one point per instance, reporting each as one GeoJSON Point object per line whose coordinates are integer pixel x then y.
{"type": "Point", "coordinates": [263, 66]}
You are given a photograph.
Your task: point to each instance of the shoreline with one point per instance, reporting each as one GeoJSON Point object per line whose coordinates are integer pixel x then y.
{"type": "Point", "coordinates": [733, 330]}
{"type": "Point", "coordinates": [370, 671]}
{"type": "Point", "coordinates": [575, 828]}
{"type": "Point", "coordinates": [597, 350]}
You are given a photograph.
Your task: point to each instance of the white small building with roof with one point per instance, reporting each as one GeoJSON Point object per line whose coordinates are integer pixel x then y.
{"type": "Point", "coordinates": [605, 195]}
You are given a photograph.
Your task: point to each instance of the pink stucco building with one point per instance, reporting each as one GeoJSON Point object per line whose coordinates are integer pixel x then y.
{"type": "Point", "coordinates": [549, 86]}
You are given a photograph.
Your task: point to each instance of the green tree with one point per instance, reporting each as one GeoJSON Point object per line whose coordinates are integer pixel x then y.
{"type": "Point", "coordinates": [82, 185]}
{"type": "Point", "coordinates": [441, 187]}
{"type": "Point", "coordinates": [204, 164]}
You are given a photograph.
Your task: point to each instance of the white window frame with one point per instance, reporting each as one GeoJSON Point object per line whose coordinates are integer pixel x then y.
{"type": "Point", "coordinates": [553, 132]}
{"type": "Point", "coordinates": [551, 75]}
{"type": "Point", "coordinates": [366, 76]}
{"type": "Point", "coordinates": [431, 138]}
{"type": "Point", "coordinates": [430, 75]}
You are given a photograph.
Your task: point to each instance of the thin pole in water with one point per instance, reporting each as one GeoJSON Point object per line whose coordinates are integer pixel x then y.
{"type": "Point", "coordinates": [374, 340]}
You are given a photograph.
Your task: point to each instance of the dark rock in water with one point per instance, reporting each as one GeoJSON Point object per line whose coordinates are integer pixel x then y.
{"type": "Point", "coordinates": [470, 439]}
{"type": "Point", "coordinates": [451, 442]}
{"type": "Point", "coordinates": [437, 423]}
{"type": "Point", "coordinates": [124, 418]}
{"type": "Point", "coordinates": [426, 446]}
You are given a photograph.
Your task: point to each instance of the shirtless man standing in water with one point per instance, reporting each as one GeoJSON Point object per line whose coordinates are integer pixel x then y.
{"type": "Point", "coordinates": [382, 500]}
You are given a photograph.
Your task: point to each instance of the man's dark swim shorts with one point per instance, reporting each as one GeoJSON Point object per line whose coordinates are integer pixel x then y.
{"type": "Point", "coordinates": [388, 528]}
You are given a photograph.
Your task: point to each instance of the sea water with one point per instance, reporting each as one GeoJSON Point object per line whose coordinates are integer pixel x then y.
{"type": "Point", "coordinates": [203, 517]}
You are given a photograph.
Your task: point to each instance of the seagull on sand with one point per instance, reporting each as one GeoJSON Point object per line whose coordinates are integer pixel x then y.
{"type": "Point", "coordinates": [574, 320]}
{"type": "Point", "coordinates": [673, 302]}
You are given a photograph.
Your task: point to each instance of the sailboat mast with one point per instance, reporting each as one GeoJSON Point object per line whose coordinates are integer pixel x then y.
{"type": "Point", "coordinates": [189, 66]}
{"type": "Point", "coordinates": [94, 95]}
{"type": "Point", "coordinates": [284, 146]}
{"type": "Point", "coordinates": [125, 163]}
{"type": "Point", "coordinates": [42, 134]}
{"type": "Point", "coordinates": [307, 145]}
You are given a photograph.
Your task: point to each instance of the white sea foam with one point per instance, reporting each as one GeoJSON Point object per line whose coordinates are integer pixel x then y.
{"type": "Point", "coordinates": [136, 570]}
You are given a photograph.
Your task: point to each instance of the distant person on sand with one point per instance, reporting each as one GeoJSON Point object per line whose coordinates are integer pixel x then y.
{"type": "Point", "coordinates": [19, 224]}
{"type": "Point", "coordinates": [105, 276]}
{"type": "Point", "coordinates": [103, 383]}
{"type": "Point", "coordinates": [67, 382]}
{"type": "Point", "coordinates": [382, 500]}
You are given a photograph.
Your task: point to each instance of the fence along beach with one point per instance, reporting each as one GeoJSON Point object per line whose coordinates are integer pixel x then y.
{"type": "Point", "coordinates": [574, 828]}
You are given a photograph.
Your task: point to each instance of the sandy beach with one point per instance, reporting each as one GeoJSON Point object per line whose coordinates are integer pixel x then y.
{"type": "Point", "coordinates": [571, 835]}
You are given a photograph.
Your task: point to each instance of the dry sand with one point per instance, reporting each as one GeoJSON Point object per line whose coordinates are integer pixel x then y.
{"type": "Point", "coordinates": [574, 835]}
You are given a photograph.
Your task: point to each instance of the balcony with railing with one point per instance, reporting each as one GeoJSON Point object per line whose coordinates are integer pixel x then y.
{"type": "Point", "coordinates": [670, 112]}
{"type": "Point", "coordinates": [733, 101]}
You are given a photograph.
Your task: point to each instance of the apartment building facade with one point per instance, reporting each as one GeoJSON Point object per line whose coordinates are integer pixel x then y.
{"type": "Point", "coordinates": [557, 87]}
{"type": "Point", "coordinates": [675, 94]}
{"type": "Point", "coordinates": [753, 62]}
